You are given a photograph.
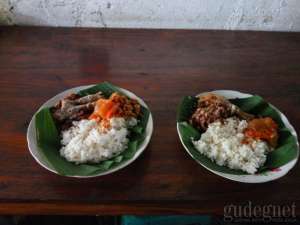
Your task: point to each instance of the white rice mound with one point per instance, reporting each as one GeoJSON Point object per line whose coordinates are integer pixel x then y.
{"type": "Point", "coordinates": [86, 141]}
{"type": "Point", "coordinates": [222, 143]}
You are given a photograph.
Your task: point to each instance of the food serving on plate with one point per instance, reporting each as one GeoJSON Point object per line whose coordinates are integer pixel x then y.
{"type": "Point", "coordinates": [94, 128]}
{"type": "Point", "coordinates": [232, 137]}
{"type": "Point", "coordinates": [249, 140]}
{"type": "Point", "coordinates": [91, 131]}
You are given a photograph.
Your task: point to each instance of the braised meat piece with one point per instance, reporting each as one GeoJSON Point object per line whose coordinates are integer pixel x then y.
{"type": "Point", "coordinates": [212, 107]}
{"type": "Point", "coordinates": [73, 107]}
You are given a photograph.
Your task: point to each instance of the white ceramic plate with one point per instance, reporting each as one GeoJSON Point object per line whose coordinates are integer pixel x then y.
{"type": "Point", "coordinates": [256, 178]}
{"type": "Point", "coordinates": [32, 141]}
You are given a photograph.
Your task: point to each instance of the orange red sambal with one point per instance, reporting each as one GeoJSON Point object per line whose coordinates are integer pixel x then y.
{"type": "Point", "coordinates": [263, 128]}
{"type": "Point", "coordinates": [116, 106]}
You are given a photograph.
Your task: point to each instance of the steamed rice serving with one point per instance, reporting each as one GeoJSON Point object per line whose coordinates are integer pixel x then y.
{"type": "Point", "coordinates": [87, 141]}
{"type": "Point", "coordinates": [223, 142]}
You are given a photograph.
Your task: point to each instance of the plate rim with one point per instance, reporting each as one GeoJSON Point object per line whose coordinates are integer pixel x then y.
{"type": "Point", "coordinates": [31, 133]}
{"type": "Point", "coordinates": [250, 178]}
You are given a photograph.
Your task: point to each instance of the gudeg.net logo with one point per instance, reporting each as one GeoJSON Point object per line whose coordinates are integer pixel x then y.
{"type": "Point", "coordinates": [250, 212]}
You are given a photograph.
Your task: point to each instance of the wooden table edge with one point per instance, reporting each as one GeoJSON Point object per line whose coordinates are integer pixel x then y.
{"type": "Point", "coordinates": [119, 208]}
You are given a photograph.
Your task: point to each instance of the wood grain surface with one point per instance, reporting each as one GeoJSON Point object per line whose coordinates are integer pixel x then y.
{"type": "Point", "coordinates": [161, 66]}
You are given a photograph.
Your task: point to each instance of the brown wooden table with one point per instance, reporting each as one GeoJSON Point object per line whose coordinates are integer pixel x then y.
{"type": "Point", "coordinates": [161, 66]}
